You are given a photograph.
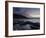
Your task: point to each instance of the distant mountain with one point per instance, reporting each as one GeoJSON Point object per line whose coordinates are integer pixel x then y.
{"type": "Point", "coordinates": [18, 16]}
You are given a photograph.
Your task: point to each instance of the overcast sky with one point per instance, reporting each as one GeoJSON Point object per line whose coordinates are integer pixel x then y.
{"type": "Point", "coordinates": [28, 12]}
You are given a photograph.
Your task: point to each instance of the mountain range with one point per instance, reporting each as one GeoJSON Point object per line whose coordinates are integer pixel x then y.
{"type": "Point", "coordinates": [17, 16]}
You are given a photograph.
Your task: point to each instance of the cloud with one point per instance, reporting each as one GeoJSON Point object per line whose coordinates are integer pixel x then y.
{"type": "Point", "coordinates": [28, 12]}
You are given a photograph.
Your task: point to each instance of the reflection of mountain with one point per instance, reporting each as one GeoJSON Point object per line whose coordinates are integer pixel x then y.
{"type": "Point", "coordinates": [18, 16]}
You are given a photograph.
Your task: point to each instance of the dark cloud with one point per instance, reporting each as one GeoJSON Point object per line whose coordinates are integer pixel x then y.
{"type": "Point", "coordinates": [26, 11]}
